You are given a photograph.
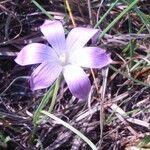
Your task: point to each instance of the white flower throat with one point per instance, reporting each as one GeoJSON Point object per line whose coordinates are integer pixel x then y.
{"type": "Point", "coordinates": [63, 59]}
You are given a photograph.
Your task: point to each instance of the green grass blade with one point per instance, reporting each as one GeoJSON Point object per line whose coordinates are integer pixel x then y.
{"type": "Point", "coordinates": [118, 18]}
{"type": "Point", "coordinates": [44, 101]}
{"type": "Point", "coordinates": [132, 79]}
{"type": "Point", "coordinates": [142, 16]}
{"type": "Point", "coordinates": [56, 88]}
{"type": "Point", "coordinates": [42, 9]}
{"type": "Point", "coordinates": [145, 142]}
{"type": "Point", "coordinates": [93, 147]}
{"type": "Point", "coordinates": [132, 45]}
{"type": "Point", "coordinates": [104, 16]}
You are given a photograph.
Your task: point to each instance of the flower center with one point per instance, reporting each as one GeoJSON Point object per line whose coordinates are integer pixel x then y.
{"type": "Point", "coordinates": [62, 59]}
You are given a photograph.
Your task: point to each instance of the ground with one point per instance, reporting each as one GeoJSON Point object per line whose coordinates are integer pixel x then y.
{"type": "Point", "coordinates": [116, 116]}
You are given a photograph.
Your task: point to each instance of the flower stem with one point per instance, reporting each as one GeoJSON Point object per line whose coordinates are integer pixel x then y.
{"type": "Point", "coordinates": [44, 101]}
{"type": "Point", "coordinates": [55, 91]}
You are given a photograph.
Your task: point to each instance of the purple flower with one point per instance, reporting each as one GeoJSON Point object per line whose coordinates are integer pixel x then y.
{"type": "Point", "coordinates": [65, 56]}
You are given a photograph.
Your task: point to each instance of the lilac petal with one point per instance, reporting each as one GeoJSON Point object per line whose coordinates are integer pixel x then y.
{"type": "Point", "coordinates": [91, 57]}
{"type": "Point", "coordinates": [54, 33]}
{"type": "Point", "coordinates": [35, 53]}
{"type": "Point", "coordinates": [78, 37]}
{"type": "Point", "coordinates": [44, 75]}
{"type": "Point", "coordinates": [77, 81]}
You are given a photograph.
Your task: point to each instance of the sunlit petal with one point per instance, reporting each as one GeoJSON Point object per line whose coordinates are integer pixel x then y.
{"type": "Point", "coordinates": [91, 57]}
{"type": "Point", "coordinates": [77, 81]}
{"type": "Point", "coordinates": [78, 37]}
{"type": "Point", "coordinates": [54, 33]}
{"type": "Point", "coordinates": [35, 53]}
{"type": "Point", "coordinates": [44, 75]}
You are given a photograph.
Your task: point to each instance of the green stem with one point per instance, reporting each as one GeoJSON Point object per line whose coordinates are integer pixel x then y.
{"type": "Point", "coordinates": [56, 88]}
{"type": "Point", "coordinates": [44, 101]}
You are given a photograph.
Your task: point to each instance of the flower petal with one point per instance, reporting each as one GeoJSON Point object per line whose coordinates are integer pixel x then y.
{"type": "Point", "coordinates": [35, 53]}
{"type": "Point", "coordinates": [77, 81]}
{"type": "Point", "coordinates": [78, 37]}
{"type": "Point", "coordinates": [54, 33]}
{"type": "Point", "coordinates": [44, 75]}
{"type": "Point", "coordinates": [91, 57]}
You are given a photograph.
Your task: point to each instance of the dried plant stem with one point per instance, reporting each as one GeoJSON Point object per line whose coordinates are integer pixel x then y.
{"type": "Point", "coordinates": [95, 83]}
{"type": "Point", "coordinates": [70, 13]}
{"type": "Point", "coordinates": [90, 12]}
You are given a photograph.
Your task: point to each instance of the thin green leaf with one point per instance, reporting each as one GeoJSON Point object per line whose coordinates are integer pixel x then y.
{"type": "Point", "coordinates": [107, 12]}
{"type": "Point", "coordinates": [132, 79]}
{"type": "Point", "coordinates": [44, 101]}
{"type": "Point", "coordinates": [77, 132]}
{"type": "Point", "coordinates": [42, 9]}
{"type": "Point", "coordinates": [56, 88]}
{"type": "Point", "coordinates": [142, 16]}
{"type": "Point", "coordinates": [145, 142]}
{"type": "Point", "coordinates": [118, 18]}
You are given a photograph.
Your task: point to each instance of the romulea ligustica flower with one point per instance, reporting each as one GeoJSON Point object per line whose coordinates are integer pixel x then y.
{"type": "Point", "coordinates": [64, 56]}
